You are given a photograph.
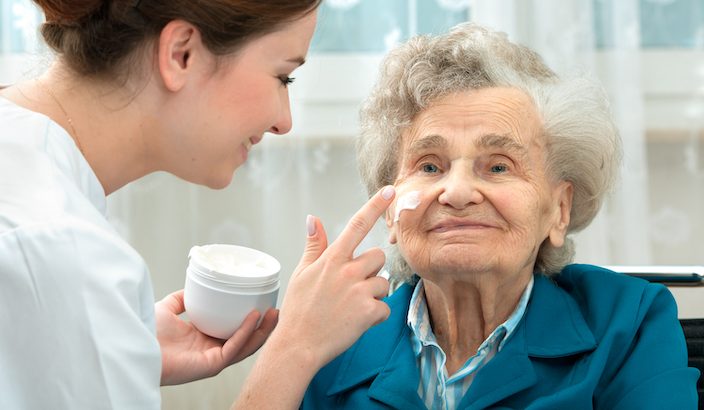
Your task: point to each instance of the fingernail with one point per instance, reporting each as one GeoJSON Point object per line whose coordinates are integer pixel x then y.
{"type": "Point", "coordinates": [310, 225]}
{"type": "Point", "coordinates": [388, 192]}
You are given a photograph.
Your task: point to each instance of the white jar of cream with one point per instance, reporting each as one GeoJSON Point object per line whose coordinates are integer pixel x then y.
{"type": "Point", "coordinates": [226, 282]}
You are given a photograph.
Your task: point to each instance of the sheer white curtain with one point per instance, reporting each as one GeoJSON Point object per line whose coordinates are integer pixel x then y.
{"type": "Point", "coordinates": [654, 74]}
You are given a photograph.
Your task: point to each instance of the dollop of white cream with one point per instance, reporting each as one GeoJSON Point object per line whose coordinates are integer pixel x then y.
{"type": "Point", "coordinates": [410, 200]}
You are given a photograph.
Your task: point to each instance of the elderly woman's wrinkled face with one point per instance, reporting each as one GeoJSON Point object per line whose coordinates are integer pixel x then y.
{"type": "Point", "coordinates": [486, 203]}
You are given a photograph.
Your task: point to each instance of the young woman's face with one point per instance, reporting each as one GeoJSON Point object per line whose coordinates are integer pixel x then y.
{"type": "Point", "coordinates": [235, 102]}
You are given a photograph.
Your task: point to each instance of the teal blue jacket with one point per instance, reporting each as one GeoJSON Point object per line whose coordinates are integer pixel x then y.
{"type": "Point", "coordinates": [590, 338]}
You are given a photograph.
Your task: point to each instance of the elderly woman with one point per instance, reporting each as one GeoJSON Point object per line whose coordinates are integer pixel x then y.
{"type": "Point", "coordinates": [496, 160]}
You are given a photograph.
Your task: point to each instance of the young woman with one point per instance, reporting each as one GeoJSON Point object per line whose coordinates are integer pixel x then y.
{"type": "Point", "coordinates": [141, 86]}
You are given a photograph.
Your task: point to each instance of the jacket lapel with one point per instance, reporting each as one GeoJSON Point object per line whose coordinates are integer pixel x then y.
{"type": "Point", "coordinates": [384, 353]}
{"type": "Point", "coordinates": [397, 383]}
{"type": "Point", "coordinates": [552, 327]}
{"type": "Point", "coordinates": [507, 373]}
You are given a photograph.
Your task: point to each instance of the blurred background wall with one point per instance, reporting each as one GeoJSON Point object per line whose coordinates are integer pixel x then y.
{"type": "Point", "coordinates": [648, 53]}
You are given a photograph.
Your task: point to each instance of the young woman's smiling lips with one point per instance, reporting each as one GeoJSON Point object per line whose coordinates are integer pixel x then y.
{"type": "Point", "coordinates": [247, 145]}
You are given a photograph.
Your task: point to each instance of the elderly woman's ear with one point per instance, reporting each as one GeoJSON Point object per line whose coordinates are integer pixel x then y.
{"type": "Point", "coordinates": [389, 216]}
{"type": "Point", "coordinates": [563, 197]}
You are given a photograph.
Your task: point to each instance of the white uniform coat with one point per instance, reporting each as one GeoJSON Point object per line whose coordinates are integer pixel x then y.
{"type": "Point", "coordinates": [77, 327]}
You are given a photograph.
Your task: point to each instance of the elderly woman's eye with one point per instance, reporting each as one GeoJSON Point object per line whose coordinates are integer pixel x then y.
{"type": "Point", "coordinates": [430, 168]}
{"type": "Point", "coordinates": [499, 168]}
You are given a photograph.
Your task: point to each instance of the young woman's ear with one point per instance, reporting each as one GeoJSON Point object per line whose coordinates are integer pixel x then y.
{"type": "Point", "coordinates": [179, 47]}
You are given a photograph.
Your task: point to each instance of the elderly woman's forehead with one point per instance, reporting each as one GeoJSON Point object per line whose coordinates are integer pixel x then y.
{"type": "Point", "coordinates": [509, 108]}
{"type": "Point", "coordinates": [513, 98]}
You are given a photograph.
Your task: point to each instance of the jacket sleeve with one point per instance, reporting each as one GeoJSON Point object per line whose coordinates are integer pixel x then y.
{"type": "Point", "coordinates": [654, 372]}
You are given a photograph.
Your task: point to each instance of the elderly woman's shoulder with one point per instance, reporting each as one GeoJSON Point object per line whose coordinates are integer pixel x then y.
{"type": "Point", "coordinates": [604, 294]}
{"type": "Point", "coordinates": [588, 276]}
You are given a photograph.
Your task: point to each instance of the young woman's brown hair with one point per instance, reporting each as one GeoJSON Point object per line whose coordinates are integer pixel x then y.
{"type": "Point", "coordinates": [97, 37]}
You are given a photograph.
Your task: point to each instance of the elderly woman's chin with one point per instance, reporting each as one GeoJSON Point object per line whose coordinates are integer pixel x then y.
{"type": "Point", "coordinates": [457, 263]}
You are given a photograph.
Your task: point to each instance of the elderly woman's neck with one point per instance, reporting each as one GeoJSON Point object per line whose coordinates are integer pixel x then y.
{"type": "Point", "coordinates": [464, 314]}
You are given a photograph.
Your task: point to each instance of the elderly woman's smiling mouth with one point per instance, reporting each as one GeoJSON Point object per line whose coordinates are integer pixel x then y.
{"type": "Point", "coordinates": [453, 224]}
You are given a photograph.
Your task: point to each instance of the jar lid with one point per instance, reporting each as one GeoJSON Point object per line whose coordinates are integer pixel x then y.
{"type": "Point", "coordinates": [232, 264]}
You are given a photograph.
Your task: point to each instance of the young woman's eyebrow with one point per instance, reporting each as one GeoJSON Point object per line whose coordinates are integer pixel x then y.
{"type": "Point", "coordinates": [296, 60]}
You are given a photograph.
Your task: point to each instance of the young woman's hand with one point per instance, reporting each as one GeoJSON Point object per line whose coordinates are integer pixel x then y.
{"type": "Point", "coordinates": [331, 299]}
{"type": "Point", "coordinates": [333, 296]}
{"type": "Point", "coordinates": [188, 355]}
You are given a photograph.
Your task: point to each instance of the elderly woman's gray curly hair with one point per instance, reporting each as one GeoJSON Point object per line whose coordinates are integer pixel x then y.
{"type": "Point", "coordinates": [583, 146]}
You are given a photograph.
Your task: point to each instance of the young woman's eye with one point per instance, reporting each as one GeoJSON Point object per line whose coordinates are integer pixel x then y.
{"type": "Point", "coordinates": [429, 168]}
{"type": "Point", "coordinates": [286, 80]}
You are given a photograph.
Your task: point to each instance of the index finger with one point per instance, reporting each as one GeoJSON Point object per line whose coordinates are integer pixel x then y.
{"type": "Point", "coordinates": [363, 220]}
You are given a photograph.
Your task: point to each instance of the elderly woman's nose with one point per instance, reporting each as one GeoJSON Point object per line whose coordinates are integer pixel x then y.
{"type": "Point", "coordinates": [459, 190]}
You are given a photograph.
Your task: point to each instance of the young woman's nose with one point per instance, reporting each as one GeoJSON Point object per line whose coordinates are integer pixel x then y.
{"type": "Point", "coordinates": [460, 188]}
{"type": "Point", "coordinates": [284, 122]}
